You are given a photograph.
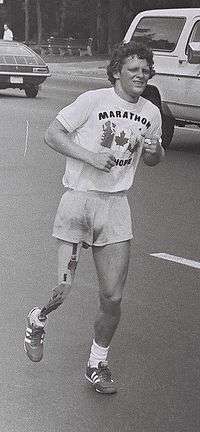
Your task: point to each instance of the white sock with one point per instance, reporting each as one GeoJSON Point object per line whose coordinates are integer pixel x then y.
{"type": "Point", "coordinates": [97, 354]}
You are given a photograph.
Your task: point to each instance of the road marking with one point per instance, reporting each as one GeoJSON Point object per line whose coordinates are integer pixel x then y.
{"type": "Point", "coordinates": [27, 135]}
{"type": "Point", "coordinates": [177, 259]}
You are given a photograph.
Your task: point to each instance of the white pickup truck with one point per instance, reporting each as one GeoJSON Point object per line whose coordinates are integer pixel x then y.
{"type": "Point", "coordinates": [174, 36]}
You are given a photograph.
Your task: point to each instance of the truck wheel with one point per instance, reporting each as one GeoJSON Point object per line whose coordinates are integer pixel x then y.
{"type": "Point", "coordinates": [152, 94]}
{"type": "Point", "coordinates": [168, 124]}
{"type": "Point", "coordinates": [31, 91]}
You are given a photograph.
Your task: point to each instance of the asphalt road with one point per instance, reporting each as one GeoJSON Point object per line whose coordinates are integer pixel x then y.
{"type": "Point", "coordinates": [155, 352]}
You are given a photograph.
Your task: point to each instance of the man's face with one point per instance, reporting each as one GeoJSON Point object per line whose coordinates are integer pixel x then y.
{"type": "Point", "coordinates": [134, 76]}
{"type": "Point", "coordinates": [5, 27]}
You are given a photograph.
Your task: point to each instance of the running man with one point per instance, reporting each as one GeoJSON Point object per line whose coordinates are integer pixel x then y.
{"type": "Point", "coordinates": [102, 134]}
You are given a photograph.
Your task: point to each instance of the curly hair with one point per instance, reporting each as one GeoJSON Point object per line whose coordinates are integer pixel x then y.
{"type": "Point", "coordinates": [130, 49]}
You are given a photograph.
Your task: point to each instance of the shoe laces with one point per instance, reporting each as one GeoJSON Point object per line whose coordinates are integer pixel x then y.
{"type": "Point", "coordinates": [37, 334]}
{"type": "Point", "coordinates": [104, 371]}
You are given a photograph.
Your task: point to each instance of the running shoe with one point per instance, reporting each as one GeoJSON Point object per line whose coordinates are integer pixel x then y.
{"type": "Point", "coordinates": [101, 378]}
{"type": "Point", "coordinates": [34, 338]}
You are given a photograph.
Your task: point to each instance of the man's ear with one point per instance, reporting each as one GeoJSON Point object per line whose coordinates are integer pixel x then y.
{"type": "Point", "coordinates": [116, 75]}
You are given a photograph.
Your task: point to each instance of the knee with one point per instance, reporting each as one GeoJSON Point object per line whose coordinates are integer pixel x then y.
{"type": "Point", "coordinates": [113, 284]}
{"type": "Point", "coordinates": [111, 303]}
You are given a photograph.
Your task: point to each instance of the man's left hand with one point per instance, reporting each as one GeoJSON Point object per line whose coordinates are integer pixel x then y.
{"type": "Point", "coordinates": [153, 152]}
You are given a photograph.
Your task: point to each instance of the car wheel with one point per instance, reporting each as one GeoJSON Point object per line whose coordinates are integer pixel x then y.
{"type": "Point", "coordinates": [31, 91]}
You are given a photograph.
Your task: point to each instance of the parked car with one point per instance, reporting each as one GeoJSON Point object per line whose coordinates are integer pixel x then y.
{"type": "Point", "coordinates": [174, 36]}
{"type": "Point", "coordinates": [21, 68]}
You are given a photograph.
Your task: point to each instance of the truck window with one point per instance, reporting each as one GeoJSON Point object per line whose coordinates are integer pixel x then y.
{"type": "Point", "coordinates": [160, 33]}
{"type": "Point", "coordinates": [195, 35]}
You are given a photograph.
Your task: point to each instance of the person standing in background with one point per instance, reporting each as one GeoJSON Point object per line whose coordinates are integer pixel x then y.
{"type": "Point", "coordinates": [7, 34]}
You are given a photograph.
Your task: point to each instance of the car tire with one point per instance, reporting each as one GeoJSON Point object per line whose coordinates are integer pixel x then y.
{"type": "Point", "coordinates": [168, 122]}
{"type": "Point", "coordinates": [31, 91]}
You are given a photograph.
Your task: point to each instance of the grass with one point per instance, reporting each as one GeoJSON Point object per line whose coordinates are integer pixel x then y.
{"type": "Point", "coordinates": [72, 59]}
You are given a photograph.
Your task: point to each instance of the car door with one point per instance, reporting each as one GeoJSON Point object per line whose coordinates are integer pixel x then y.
{"type": "Point", "coordinates": [190, 78]}
{"type": "Point", "coordinates": [178, 79]}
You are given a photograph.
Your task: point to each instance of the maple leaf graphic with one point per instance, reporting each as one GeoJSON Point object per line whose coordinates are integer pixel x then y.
{"type": "Point", "coordinates": [133, 146]}
{"type": "Point", "coordinates": [108, 134]}
{"type": "Point", "coordinates": [121, 139]}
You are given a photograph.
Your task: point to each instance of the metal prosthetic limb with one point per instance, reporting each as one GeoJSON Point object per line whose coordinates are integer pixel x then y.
{"type": "Point", "coordinates": [60, 291]}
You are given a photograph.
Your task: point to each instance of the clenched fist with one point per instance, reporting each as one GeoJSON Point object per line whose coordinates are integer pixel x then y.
{"type": "Point", "coordinates": [153, 152]}
{"type": "Point", "coordinates": [103, 161]}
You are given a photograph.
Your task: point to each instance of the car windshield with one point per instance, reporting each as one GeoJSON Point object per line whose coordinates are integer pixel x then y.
{"type": "Point", "coordinates": [160, 33]}
{"type": "Point", "coordinates": [12, 54]}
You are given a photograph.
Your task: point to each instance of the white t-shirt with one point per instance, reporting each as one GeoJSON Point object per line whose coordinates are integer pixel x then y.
{"type": "Point", "coordinates": [101, 121]}
{"type": "Point", "coordinates": [8, 35]}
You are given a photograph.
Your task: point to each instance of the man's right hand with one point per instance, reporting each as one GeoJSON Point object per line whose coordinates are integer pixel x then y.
{"type": "Point", "coordinates": [103, 161]}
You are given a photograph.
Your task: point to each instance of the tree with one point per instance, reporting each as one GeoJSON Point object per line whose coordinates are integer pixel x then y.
{"type": "Point", "coordinates": [102, 25]}
{"type": "Point", "coordinates": [63, 14]}
{"type": "Point", "coordinates": [27, 27]}
{"type": "Point", "coordinates": [115, 18]}
{"type": "Point", "coordinates": [39, 21]}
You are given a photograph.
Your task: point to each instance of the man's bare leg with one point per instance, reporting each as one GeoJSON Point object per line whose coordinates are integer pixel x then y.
{"type": "Point", "coordinates": [111, 262]}
{"type": "Point", "coordinates": [112, 267]}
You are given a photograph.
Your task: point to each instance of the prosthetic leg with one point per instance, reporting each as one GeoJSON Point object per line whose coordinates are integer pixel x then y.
{"type": "Point", "coordinates": [68, 256]}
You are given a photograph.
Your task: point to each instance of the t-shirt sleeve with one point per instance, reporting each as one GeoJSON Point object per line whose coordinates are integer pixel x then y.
{"type": "Point", "coordinates": [75, 115]}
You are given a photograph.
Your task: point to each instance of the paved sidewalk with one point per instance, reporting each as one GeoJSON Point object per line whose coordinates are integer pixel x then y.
{"type": "Point", "coordinates": [85, 68]}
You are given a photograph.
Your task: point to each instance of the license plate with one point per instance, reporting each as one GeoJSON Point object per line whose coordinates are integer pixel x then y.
{"type": "Point", "coordinates": [16, 80]}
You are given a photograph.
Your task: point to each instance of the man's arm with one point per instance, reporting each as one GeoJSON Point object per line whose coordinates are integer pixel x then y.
{"type": "Point", "coordinates": [153, 152]}
{"type": "Point", "coordinates": [58, 138]}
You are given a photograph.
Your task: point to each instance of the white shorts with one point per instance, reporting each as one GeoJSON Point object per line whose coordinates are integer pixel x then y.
{"type": "Point", "coordinates": [94, 218]}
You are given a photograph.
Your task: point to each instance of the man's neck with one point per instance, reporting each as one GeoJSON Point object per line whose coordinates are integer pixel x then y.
{"type": "Point", "coordinates": [123, 95]}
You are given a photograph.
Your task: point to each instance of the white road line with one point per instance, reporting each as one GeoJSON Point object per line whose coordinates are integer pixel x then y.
{"type": "Point", "coordinates": [26, 140]}
{"type": "Point", "coordinates": [177, 259]}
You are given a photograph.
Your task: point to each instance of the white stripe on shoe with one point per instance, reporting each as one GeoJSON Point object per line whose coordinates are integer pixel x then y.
{"type": "Point", "coordinates": [96, 379]}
